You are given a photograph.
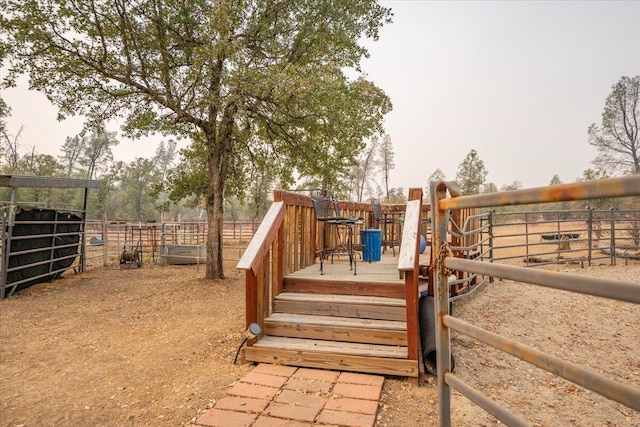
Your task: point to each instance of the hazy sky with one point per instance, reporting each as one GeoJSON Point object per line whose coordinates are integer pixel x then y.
{"type": "Point", "coordinates": [519, 82]}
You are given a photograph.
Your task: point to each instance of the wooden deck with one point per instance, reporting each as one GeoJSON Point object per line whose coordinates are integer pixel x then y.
{"type": "Point", "coordinates": [364, 322]}
{"type": "Point", "coordinates": [383, 271]}
{"type": "Point", "coordinates": [340, 320]}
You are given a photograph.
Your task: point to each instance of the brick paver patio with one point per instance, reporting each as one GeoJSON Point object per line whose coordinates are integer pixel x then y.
{"type": "Point", "coordinates": [272, 395]}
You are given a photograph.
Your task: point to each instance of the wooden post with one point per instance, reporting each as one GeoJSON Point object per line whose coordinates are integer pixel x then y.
{"type": "Point", "coordinates": [411, 296]}
{"type": "Point", "coordinates": [251, 300]}
{"type": "Point", "coordinates": [105, 241]}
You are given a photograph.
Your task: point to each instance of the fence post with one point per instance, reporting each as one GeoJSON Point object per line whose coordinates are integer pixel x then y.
{"type": "Point", "coordinates": [83, 226]}
{"type": "Point", "coordinates": [526, 235]}
{"type": "Point", "coordinates": [105, 241]}
{"type": "Point", "coordinates": [441, 301]}
{"type": "Point", "coordinates": [3, 262]}
{"type": "Point", "coordinates": [490, 217]}
{"type": "Point", "coordinates": [613, 236]}
{"type": "Point", "coordinates": [6, 244]}
{"type": "Point", "coordinates": [589, 234]}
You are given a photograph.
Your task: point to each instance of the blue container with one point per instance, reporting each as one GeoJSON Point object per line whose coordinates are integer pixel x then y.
{"type": "Point", "coordinates": [371, 243]}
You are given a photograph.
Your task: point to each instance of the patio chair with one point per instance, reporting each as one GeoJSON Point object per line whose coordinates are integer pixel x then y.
{"type": "Point", "coordinates": [383, 221]}
{"type": "Point", "coordinates": [327, 211]}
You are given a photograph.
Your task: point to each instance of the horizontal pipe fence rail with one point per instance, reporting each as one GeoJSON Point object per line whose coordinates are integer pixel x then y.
{"type": "Point", "coordinates": [445, 263]}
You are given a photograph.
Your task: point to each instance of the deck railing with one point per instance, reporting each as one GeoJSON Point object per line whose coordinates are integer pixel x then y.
{"type": "Point", "coordinates": [445, 262]}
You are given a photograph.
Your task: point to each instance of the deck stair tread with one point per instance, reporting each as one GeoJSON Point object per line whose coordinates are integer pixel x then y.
{"type": "Point", "coordinates": [330, 321]}
{"type": "Point", "coordinates": [341, 299]}
{"type": "Point", "coordinates": [332, 347]}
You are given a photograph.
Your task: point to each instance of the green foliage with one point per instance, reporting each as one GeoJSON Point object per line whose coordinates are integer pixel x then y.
{"type": "Point", "coordinates": [617, 137]}
{"type": "Point", "coordinates": [555, 180]}
{"type": "Point", "coordinates": [594, 175]}
{"type": "Point", "coordinates": [515, 185]}
{"type": "Point", "coordinates": [72, 150]}
{"type": "Point", "coordinates": [490, 187]}
{"type": "Point", "coordinates": [386, 157]}
{"type": "Point", "coordinates": [136, 181]}
{"type": "Point", "coordinates": [363, 171]}
{"type": "Point", "coordinates": [471, 174]}
{"type": "Point", "coordinates": [396, 196]}
{"type": "Point", "coordinates": [4, 112]}
{"type": "Point", "coordinates": [437, 175]}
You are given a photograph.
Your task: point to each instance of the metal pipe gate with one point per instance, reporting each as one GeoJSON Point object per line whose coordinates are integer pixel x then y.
{"type": "Point", "coordinates": [442, 205]}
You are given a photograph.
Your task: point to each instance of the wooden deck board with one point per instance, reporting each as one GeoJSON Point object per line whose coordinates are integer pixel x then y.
{"type": "Point", "coordinates": [333, 347]}
{"type": "Point", "coordinates": [341, 329]}
{"type": "Point", "coordinates": [339, 321]}
{"type": "Point", "coordinates": [372, 365]}
{"type": "Point", "coordinates": [341, 309]}
{"type": "Point", "coordinates": [342, 299]}
{"type": "Point", "coordinates": [383, 271]}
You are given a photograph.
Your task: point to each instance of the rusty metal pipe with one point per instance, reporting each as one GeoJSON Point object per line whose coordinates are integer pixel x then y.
{"type": "Point", "coordinates": [485, 403]}
{"type": "Point", "coordinates": [614, 390]}
{"type": "Point", "coordinates": [441, 288]}
{"type": "Point", "coordinates": [613, 289]}
{"type": "Point", "coordinates": [613, 187]}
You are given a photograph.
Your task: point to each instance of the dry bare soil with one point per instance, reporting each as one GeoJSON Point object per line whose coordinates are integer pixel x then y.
{"type": "Point", "coordinates": [155, 347]}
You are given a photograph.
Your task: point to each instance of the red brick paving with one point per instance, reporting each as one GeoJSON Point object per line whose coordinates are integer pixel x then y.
{"type": "Point", "coordinates": [358, 391]}
{"type": "Point", "coordinates": [310, 386]}
{"type": "Point", "coordinates": [283, 396]}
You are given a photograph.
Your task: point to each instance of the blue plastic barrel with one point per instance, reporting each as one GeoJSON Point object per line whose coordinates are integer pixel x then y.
{"type": "Point", "coordinates": [371, 243]}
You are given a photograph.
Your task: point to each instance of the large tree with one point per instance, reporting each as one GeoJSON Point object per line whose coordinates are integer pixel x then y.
{"type": "Point", "coordinates": [137, 179]}
{"type": "Point", "coordinates": [386, 162]}
{"type": "Point", "coordinates": [239, 78]}
{"type": "Point", "coordinates": [617, 137]}
{"type": "Point", "coordinates": [361, 173]}
{"type": "Point", "coordinates": [471, 174]}
{"type": "Point", "coordinates": [437, 175]}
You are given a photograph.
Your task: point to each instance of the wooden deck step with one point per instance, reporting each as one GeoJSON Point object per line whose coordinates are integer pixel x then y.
{"type": "Point", "coordinates": [324, 346]}
{"type": "Point", "coordinates": [344, 329]}
{"type": "Point", "coordinates": [356, 306]}
{"type": "Point", "coordinates": [369, 358]}
{"type": "Point", "coordinates": [344, 286]}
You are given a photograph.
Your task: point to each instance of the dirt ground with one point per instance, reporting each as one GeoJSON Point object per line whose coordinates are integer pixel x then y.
{"type": "Point", "coordinates": [155, 347]}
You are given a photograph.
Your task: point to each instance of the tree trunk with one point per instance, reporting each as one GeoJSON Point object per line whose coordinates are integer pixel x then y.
{"type": "Point", "coordinates": [215, 212]}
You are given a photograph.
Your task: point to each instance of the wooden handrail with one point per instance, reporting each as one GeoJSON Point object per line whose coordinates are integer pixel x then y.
{"type": "Point", "coordinates": [409, 245]}
{"type": "Point", "coordinates": [253, 256]}
{"type": "Point", "coordinates": [408, 262]}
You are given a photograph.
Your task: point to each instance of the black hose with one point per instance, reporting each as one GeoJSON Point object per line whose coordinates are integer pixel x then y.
{"type": "Point", "coordinates": [235, 359]}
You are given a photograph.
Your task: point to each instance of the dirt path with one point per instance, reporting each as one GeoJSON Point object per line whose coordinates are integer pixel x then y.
{"type": "Point", "coordinates": [154, 347]}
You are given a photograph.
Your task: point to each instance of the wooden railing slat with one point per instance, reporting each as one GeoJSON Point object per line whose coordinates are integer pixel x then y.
{"type": "Point", "coordinates": [407, 258]}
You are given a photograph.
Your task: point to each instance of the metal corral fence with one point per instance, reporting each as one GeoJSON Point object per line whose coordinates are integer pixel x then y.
{"type": "Point", "coordinates": [445, 264]}
{"type": "Point", "coordinates": [162, 243]}
{"type": "Point", "coordinates": [39, 242]}
{"type": "Point", "coordinates": [562, 236]}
